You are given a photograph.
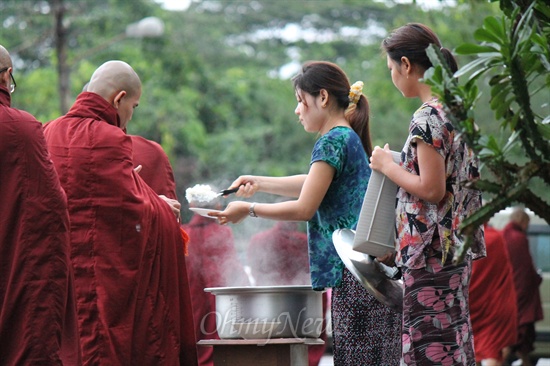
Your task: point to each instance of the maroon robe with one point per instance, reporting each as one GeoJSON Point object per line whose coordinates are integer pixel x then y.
{"type": "Point", "coordinates": [212, 262]}
{"type": "Point", "coordinates": [526, 278]}
{"type": "Point", "coordinates": [156, 169]}
{"type": "Point", "coordinates": [492, 299]}
{"type": "Point", "coordinates": [37, 307]}
{"type": "Point", "coordinates": [126, 245]}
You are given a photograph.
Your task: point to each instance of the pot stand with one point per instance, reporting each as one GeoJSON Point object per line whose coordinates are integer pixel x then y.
{"type": "Point", "coordinates": [261, 352]}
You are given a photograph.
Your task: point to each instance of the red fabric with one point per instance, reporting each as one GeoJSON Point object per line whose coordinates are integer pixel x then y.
{"type": "Point", "coordinates": [279, 256]}
{"type": "Point", "coordinates": [526, 278]}
{"type": "Point", "coordinates": [131, 285]}
{"type": "Point", "coordinates": [212, 262]}
{"type": "Point", "coordinates": [492, 300]}
{"type": "Point", "coordinates": [157, 171]}
{"type": "Point", "coordinates": [37, 307]}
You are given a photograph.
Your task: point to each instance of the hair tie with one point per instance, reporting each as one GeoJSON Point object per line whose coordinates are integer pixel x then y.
{"type": "Point", "coordinates": [441, 48]}
{"type": "Point", "coordinates": [355, 92]}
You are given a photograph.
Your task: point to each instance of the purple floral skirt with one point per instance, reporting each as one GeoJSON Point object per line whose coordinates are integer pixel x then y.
{"type": "Point", "coordinates": [436, 315]}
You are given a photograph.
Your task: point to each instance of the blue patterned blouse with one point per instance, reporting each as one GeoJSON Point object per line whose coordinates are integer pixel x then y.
{"type": "Point", "coordinates": [342, 149]}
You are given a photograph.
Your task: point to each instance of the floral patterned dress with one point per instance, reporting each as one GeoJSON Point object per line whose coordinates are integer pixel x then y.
{"type": "Point", "coordinates": [436, 320]}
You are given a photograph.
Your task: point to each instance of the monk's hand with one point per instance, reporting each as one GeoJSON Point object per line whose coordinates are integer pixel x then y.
{"type": "Point", "coordinates": [234, 213]}
{"type": "Point", "coordinates": [388, 259]}
{"type": "Point", "coordinates": [174, 205]}
{"type": "Point", "coordinates": [380, 158]}
{"type": "Point", "coordinates": [138, 168]}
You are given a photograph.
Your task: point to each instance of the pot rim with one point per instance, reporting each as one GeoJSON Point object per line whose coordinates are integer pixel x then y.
{"type": "Point", "coordinates": [261, 289]}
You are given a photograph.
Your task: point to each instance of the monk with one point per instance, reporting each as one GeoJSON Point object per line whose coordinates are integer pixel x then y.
{"type": "Point", "coordinates": [37, 305]}
{"type": "Point", "coordinates": [155, 169]}
{"type": "Point", "coordinates": [526, 282]}
{"type": "Point", "coordinates": [127, 248]}
{"type": "Point", "coordinates": [493, 302]}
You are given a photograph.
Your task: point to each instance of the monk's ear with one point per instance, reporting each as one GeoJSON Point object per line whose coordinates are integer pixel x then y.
{"type": "Point", "coordinates": [118, 98]}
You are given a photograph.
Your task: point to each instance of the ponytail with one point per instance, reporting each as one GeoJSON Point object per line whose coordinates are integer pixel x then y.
{"type": "Point", "coordinates": [358, 117]}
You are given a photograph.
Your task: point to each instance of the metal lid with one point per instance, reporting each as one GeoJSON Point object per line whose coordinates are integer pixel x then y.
{"type": "Point", "coordinates": [374, 276]}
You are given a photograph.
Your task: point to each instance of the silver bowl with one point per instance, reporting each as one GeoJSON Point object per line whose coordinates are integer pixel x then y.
{"type": "Point", "coordinates": [376, 277]}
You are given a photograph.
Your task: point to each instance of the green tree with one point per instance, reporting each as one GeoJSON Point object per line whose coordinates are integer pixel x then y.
{"type": "Point", "coordinates": [213, 95]}
{"type": "Point", "coordinates": [513, 57]}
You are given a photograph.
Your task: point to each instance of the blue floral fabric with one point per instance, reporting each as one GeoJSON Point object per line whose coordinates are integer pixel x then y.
{"type": "Point", "coordinates": [341, 148]}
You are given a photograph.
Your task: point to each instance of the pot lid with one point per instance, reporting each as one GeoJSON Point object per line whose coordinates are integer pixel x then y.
{"type": "Point", "coordinates": [373, 275]}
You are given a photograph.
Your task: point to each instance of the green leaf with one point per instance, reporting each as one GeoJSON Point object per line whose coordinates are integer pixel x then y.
{"type": "Point", "coordinates": [481, 61]}
{"type": "Point", "coordinates": [544, 130]}
{"type": "Point", "coordinates": [472, 48]}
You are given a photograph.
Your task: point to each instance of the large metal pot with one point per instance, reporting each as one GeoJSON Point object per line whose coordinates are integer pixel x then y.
{"type": "Point", "coordinates": [263, 312]}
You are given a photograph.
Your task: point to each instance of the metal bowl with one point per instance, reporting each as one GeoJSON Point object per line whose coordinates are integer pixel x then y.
{"type": "Point", "coordinates": [376, 277]}
{"type": "Point", "coordinates": [260, 312]}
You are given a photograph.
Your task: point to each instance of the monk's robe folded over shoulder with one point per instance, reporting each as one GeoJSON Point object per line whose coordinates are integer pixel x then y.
{"type": "Point", "coordinates": [156, 169]}
{"type": "Point", "coordinates": [127, 249]}
{"type": "Point", "coordinates": [37, 306]}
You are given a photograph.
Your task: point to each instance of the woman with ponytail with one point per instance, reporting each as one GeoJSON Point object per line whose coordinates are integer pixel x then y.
{"type": "Point", "coordinates": [433, 199]}
{"type": "Point", "coordinates": [329, 197]}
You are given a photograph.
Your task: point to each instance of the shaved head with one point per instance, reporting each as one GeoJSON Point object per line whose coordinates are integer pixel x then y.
{"type": "Point", "coordinates": [113, 77]}
{"type": "Point", "coordinates": [5, 59]}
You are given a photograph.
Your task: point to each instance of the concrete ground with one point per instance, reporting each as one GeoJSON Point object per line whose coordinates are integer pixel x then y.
{"type": "Point", "coordinates": [327, 361]}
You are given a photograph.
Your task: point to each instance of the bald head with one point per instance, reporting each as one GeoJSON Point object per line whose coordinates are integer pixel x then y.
{"type": "Point", "coordinates": [113, 77]}
{"type": "Point", "coordinates": [5, 59]}
{"type": "Point", "coordinates": [520, 217]}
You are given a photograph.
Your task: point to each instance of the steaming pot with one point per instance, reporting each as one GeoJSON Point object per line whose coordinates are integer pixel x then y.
{"type": "Point", "coordinates": [263, 312]}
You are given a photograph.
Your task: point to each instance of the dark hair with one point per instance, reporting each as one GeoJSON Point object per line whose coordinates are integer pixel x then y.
{"type": "Point", "coordinates": [317, 75]}
{"type": "Point", "coordinates": [411, 41]}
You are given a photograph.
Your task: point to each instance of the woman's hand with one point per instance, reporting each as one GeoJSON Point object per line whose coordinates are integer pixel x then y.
{"type": "Point", "coordinates": [388, 259]}
{"type": "Point", "coordinates": [234, 213]}
{"type": "Point", "coordinates": [248, 186]}
{"type": "Point", "coordinates": [381, 158]}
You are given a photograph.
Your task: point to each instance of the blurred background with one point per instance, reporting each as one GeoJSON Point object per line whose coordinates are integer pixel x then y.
{"type": "Point", "coordinates": [216, 74]}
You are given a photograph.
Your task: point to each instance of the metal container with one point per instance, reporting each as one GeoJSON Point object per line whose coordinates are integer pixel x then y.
{"type": "Point", "coordinates": [263, 312]}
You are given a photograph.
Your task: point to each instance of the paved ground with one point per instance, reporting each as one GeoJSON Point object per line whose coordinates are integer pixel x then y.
{"type": "Point", "coordinates": [327, 361]}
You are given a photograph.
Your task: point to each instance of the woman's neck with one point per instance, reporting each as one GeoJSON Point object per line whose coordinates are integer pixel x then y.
{"type": "Point", "coordinates": [334, 121]}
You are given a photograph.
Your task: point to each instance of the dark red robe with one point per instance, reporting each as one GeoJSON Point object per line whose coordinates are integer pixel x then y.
{"type": "Point", "coordinates": [156, 169]}
{"type": "Point", "coordinates": [212, 262]}
{"type": "Point", "coordinates": [526, 278]}
{"type": "Point", "coordinates": [37, 307]}
{"type": "Point", "coordinates": [126, 246]}
{"type": "Point", "coordinates": [492, 299]}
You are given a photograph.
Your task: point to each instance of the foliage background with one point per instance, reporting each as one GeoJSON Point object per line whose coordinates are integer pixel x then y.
{"type": "Point", "coordinates": [214, 95]}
